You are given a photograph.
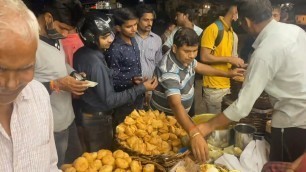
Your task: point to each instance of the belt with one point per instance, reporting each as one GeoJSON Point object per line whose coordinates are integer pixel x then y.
{"type": "Point", "coordinates": [97, 119]}
{"type": "Point", "coordinates": [91, 114]}
{"type": "Point", "coordinates": [97, 116]}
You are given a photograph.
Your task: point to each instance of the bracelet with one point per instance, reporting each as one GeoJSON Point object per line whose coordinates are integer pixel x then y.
{"type": "Point", "coordinates": [195, 134]}
{"type": "Point", "coordinates": [53, 86]}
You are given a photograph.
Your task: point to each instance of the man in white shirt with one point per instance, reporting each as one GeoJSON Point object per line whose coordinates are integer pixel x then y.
{"type": "Point", "coordinates": [184, 18]}
{"type": "Point", "coordinates": [277, 66]}
{"type": "Point", "coordinates": [26, 123]}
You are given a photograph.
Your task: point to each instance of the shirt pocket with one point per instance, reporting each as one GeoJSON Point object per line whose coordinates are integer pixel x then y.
{"type": "Point", "coordinates": [37, 157]}
{"type": "Point", "coordinates": [150, 54]}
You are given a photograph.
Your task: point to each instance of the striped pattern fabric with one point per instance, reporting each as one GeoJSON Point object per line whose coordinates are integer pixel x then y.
{"type": "Point", "coordinates": [31, 147]}
{"type": "Point", "coordinates": [173, 79]}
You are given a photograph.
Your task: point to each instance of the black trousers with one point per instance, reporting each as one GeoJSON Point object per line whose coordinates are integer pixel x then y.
{"type": "Point", "coordinates": [287, 144]}
{"type": "Point", "coordinates": [98, 131]}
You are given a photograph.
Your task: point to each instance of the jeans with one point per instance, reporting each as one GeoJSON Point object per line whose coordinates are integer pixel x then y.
{"type": "Point", "coordinates": [98, 131]}
{"type": "Point", "coordinates": [213, 98]}
{"type": "Point", "coordinates": [68, 145]}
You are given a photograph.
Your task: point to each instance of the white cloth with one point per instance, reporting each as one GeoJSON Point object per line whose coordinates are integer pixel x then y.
{"type": "Point", "coordinates": [252, 159]}
{"type": "Point", "coordinates": [169, 41]}
{"type": "Point", "coordinates": [230, 161]}
{"type": "Point", "coordinates": [254, 156]}
{"type": "Point", "coordinates": [31, 147]}
{"type": "Point", "coordinates": [278, 66]}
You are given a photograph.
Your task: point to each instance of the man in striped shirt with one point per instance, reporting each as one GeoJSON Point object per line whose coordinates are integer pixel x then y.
{"type": "Point", "coordinates": [26, 122]}
{"type": "Point", "coordinates": [174, 94]}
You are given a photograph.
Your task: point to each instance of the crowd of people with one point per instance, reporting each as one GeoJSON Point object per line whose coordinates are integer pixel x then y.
{"type": "Point", "coordinates": [50, 117]}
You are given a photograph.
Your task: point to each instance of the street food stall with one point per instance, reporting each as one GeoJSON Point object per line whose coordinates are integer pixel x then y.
{"type": "Point", "coordinates": [151, 141]}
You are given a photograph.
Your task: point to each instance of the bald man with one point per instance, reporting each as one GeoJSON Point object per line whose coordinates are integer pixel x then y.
{"type": "Point", "coordinates": [26, 123]}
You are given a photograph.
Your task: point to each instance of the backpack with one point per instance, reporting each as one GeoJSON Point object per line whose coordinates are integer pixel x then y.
{"type": "Point", "coordinates": [220, 33]}
{"type": "Point", "coordinates": [217, 40]}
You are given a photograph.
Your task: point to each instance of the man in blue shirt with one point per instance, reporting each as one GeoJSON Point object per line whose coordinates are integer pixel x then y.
{"type": "Point", "coordinates": [148, 42]}
{"type": "Point", "coordinates": [124, 59]}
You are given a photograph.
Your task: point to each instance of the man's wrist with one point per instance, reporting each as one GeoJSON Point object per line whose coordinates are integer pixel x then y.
{"type": "Point", "coordinates": [230, 73]}
{"type": "Point", "coordinates": [193, 130]}
{"type": "Point", "coordinates": [205, 128]}
{"type": "Point", "coordinates": [229, 60]}
{"type": "Point", "coordinates": [227, 74]}
{"type": "Point", "coordinates": [54, 86]}
{"type": "Point", "coordinates": [59, 83]}
{"type": "Point", "coordinates": [195, 134]}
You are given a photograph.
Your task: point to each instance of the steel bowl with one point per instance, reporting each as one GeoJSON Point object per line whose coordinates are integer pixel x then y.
{"type": "Point", "coordinates": [244, 134]}
{"type": "Point", "coordinates": [220, 138]}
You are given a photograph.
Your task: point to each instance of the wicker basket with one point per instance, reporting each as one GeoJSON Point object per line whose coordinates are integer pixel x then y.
{"type": "Point", "coordinates": [258, 120]}
{"type": "Point", "coordinates": [158, 167]}
{"type": "Point", "coordinates": [163, 159]}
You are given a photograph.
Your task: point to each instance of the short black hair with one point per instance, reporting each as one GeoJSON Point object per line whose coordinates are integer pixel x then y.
{"type": "Point", "coordinates": [185, 36]}
{"type": "Point", "coordinates": [122, 15]}
{"type": "Point", "coordinates": [40, 7]}
{"type": "Point", "coordinates": [226, 7]}
{"type": "Point", "coordinates": [142, 9]}
{"type": "Point", "coordinates": [187, 9]}
{"type": "Point", "coordinates": [276, 7]}
{"type": "Point", "coordinates": [255, 10]}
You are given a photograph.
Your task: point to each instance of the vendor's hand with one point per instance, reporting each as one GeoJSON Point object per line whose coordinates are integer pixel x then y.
{"type": "Point", "coordinates": [236, 61]}
{"type": "Point", "coordinates": [199, 148]}
{"type": "Point", "coordinates": [139, 79]}
{"type": "Point", "coordinates": [68, 83]}
{"type": "Point", "coordinates": [236, 72]}
{"type": "Point", "coordinates": [151, 84]}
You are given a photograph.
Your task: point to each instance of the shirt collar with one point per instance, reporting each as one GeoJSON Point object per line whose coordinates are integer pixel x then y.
{"type": "Point", "coordinates": [52, 42]}
{"type": "Point", "coordinates": [150, 34]}
{"type": "Point", "coordinates": [262, 34]}
{"type": "Point", "coordinates": [176, 61]}
{"type": "Point", "coordinates": [24, 94]}
{"type": "Point", "coordinates": [121, 42]}
{"type": "Point", "coordinates": [226, 27]}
